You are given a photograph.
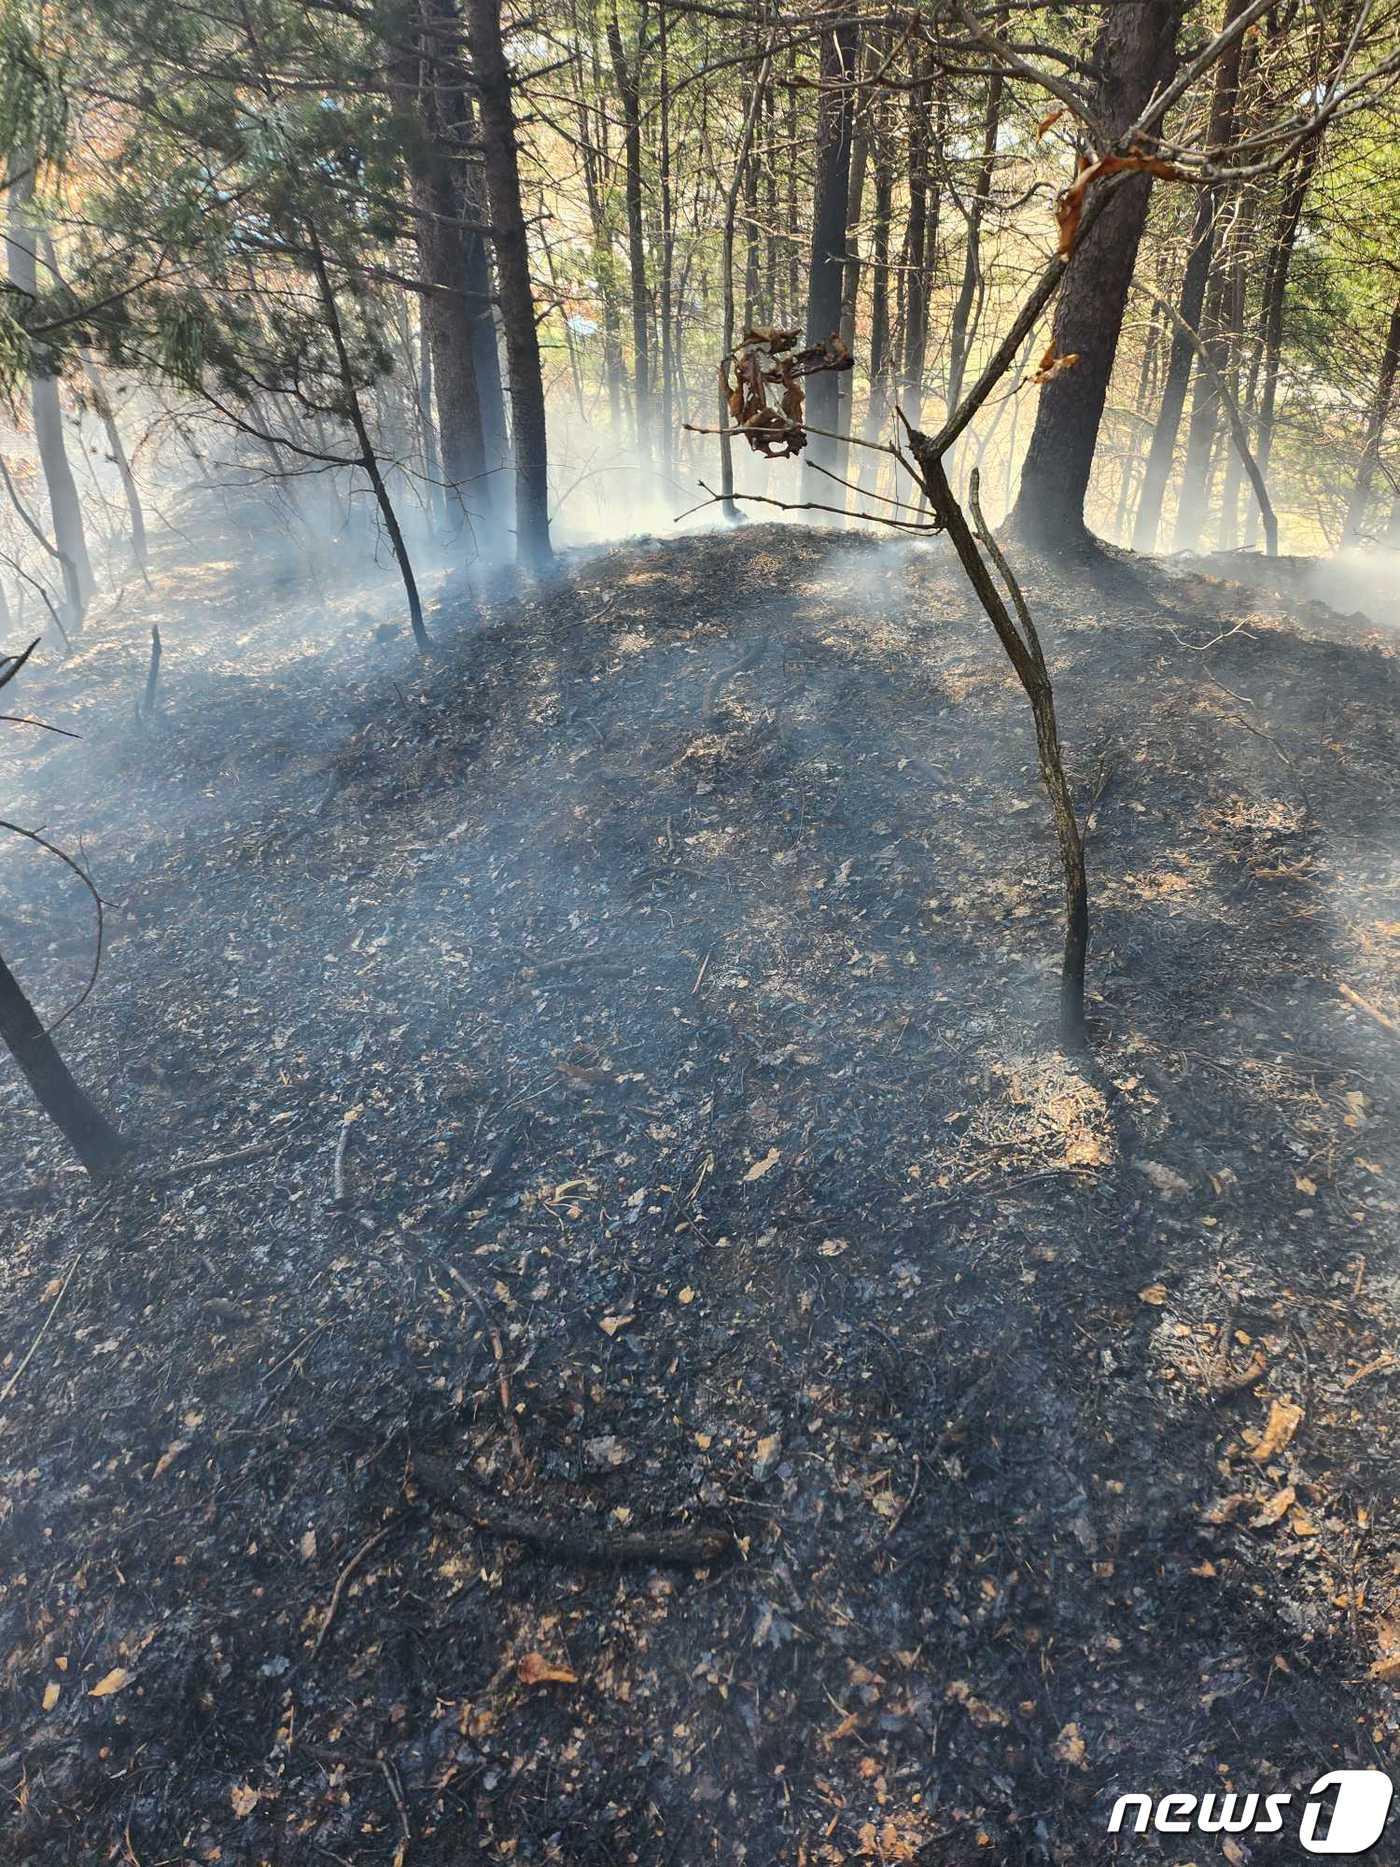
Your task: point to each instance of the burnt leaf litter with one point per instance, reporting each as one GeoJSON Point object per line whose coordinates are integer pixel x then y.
{"type": "Point", "coordinates": [683, 1369]}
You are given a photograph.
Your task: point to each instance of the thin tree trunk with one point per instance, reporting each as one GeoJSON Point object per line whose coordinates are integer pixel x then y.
{"type": "Point", "coordinates": [513, 270]}
{"type": "Point", "coordinates": [855, 207]}
{"type": "Point", "coordinates": [85, 1128]}
{"type": "Point", "coordinates": [828, 255]}
{"type": "Point", "coordinates": [1023, 649]}
{"type": "Point", "coordinates": [668, 246]}
{"type": "Point", "coordinates": [1274, 299]}
{"type": "Point", "coordinates": [1210, 378]}
{"type": "Point", "coordinates": [1141, 402]}
{"type": "Point", "coordinates": [69, 536]}
{"type": "Point", "coordinates": [790, 133]}
{"type": "Point", "coordinates": [481, 309]}
{"type": "Point", "coordinates": [594, 163]}
{"type": "Point", "coordinates": [1353, 532]}
{"type": "Point", "coordinates": [1136, 52]}
{"type": "Point", "coordinates": [1241, 246]}
{"type": "Point", "coordinates": [751, 240]}
{"type": "Point", "coordinates": [1194, 504]}
{"type": "Point", "coordinates": [427, 422]}
{"type": "Point", "coordinates": [448, 329]}
{"type": "Point", "coordinates": [959, 326]}
{"type": "Point", "coordinates": [1224, 101]}
{"type": "Point", "coordinates": [850, 282]}
{"type": "Point", "coordinates": [731, 203]}
{"type": "Point", "coordinates": [369, 459]}
{"type": "Point", "coordinates": [915, 246]}
{"type": "Point", "coordinates": [102, 403]}
{"type": "Point", "coordinates": [878, 408]}
{"type": "Point", "coordinates": [767, 117]}
{"type": "Point", "coordinates": [1290, 220]}
{"type": "Point", "coordinates": [629, 88]}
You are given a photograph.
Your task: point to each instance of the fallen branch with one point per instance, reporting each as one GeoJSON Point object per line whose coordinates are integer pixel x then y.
{"type": "Point", "coordinates": [391, 1777]}
{"type": "Point", "coordinates": [1007, 1186]}
{"type": "Point", "coordinates": [1364, 1004]}
{"type": "Point", "coordinates": [371, 1543]}
{"type": "Point", "coordinates": [212, 1163]}
{"type": "Point", "coordinates": [340, 1194]}
{"type": "Point", "coordinates": [169, 1176]}
{"type": "Point", "coordinates": [571, 1542]}
{"type": "Point", "coordinates": [11, 1384]}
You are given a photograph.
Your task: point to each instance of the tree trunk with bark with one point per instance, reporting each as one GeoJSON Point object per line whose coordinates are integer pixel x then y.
{"type": "Point", "coordinates": [1135, 53]}
{"type": "Point", "coordinates": [1354, 530]}
{"type": "Point", "coordinates": [102, 406]}
{"type": "Point", "coordinates": [22, 247]}
{"type": "Point", "coordinates": [668, 244]}
{"type": "Point", "coordinates": [878, 362]}
{"type": "Point", "coordinates": [447, 328]}
{"type": "Point", "coordinates": [85, 1128]}
{"type": "Point", "coordinates": [916, 244]}
{"type": "Point", "coordinates": [628, 75]}
{"type": "Point", "coordinates": [369, 457]}
{"type": "Point", "coordinates": [1224, 101]}
{"type": "Point", "coordinates": [1274, 298]}
{"type": "Point", "coordinates": [959, 329]}
{"type": "Point", "coordinates": [827, 265]}
{"type": "Point", "coordinates": [513, 271]}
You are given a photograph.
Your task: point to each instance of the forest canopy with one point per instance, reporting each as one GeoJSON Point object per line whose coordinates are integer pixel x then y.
{"type": "Point", "coordinates": [486, 257]}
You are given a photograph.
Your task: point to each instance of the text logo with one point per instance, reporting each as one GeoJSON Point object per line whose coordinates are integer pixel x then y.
{"type": "Point", "coordinates": [1344, 1814]}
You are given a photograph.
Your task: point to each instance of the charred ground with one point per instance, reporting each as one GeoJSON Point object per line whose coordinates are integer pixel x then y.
{"type": "Point", "coordinates": [680, 948]}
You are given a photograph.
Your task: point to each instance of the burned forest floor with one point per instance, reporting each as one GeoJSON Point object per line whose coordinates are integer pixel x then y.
{"type": "Point", "coordinates": [627, 1045]}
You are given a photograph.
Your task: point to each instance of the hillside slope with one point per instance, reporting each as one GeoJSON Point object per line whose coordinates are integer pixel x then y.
{"type": "Point", "coordinates": [669, 970]}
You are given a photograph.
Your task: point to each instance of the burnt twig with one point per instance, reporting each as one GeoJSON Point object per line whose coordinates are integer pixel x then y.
{"type": "Point", "coordinates": [13, 1381]}
{"type": "Point", "coordinates": [568, 1542]}
{"type": "Point", "coordinates": [369, 1544]}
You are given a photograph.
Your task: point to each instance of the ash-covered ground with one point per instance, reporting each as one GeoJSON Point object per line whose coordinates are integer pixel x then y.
{"type": "Point", "coordinates": [637, 1027]}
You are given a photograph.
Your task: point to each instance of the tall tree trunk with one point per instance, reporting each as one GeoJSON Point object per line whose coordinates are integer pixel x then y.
{"type": "Point", "coordinates": [731, 202]}
{"type": "Point", "coordinates": [1272, 307]}
{"type": "Point", "coordinates": [447, 329]}
{"type": "Point", "coordinates": [22, 244]}
{"type": "Point", "coordinates": [85, 1128]}
{"type": "Point", "coordinates": [1219, 344]}
{"type": "Point", "coordinates": [1281, 259]}
{"type": "Point", "coordinates": [850, 282]}
{"type": "Point", "coordinates": [855, 207]}
{"type": "Point", "coordinates": [513, 270]}
{"type": "Point", "coordinates": [1141, 402]}
{"type": "Point", "coordinates": [1237, 299]}
{"type": "Point", "coordinates": [668, 246]}
{"type": "Point", "coordinates": [369, 458]}
{"type": "Point", "coordinates": [767, 119]}
{"type": "Point", "coordinates": [1136, 51]}
{"type": "Point", "coordinates": [427, 82]}
{"type": "Point", "coordinates": [469, 196]}
{"type": "Point", "coordinates": [102, 403]}
{"type": "Point", "coordinates": [915, 254]}
{"type": "Point", "coordinates": [790, 217]}
{"type": "Point", "coordinates": [960, 326]}
{"type": "Point", "coordinates": [878, 408]}
{"type": "Point", "coordinates": [751, 240]}
{"type": "Point", "coordinates": [828, 255]}
{"type": "Point", "coordinates": [1200, 254]}
{"type": "Point", "coordinates": [628, 77]}
{"type": "Point", "coordinates": [481, 310]}
{"type": "Point", "coordinates": [1353, 532]}
{"type": "Point", "coordinates": [427, 422]}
